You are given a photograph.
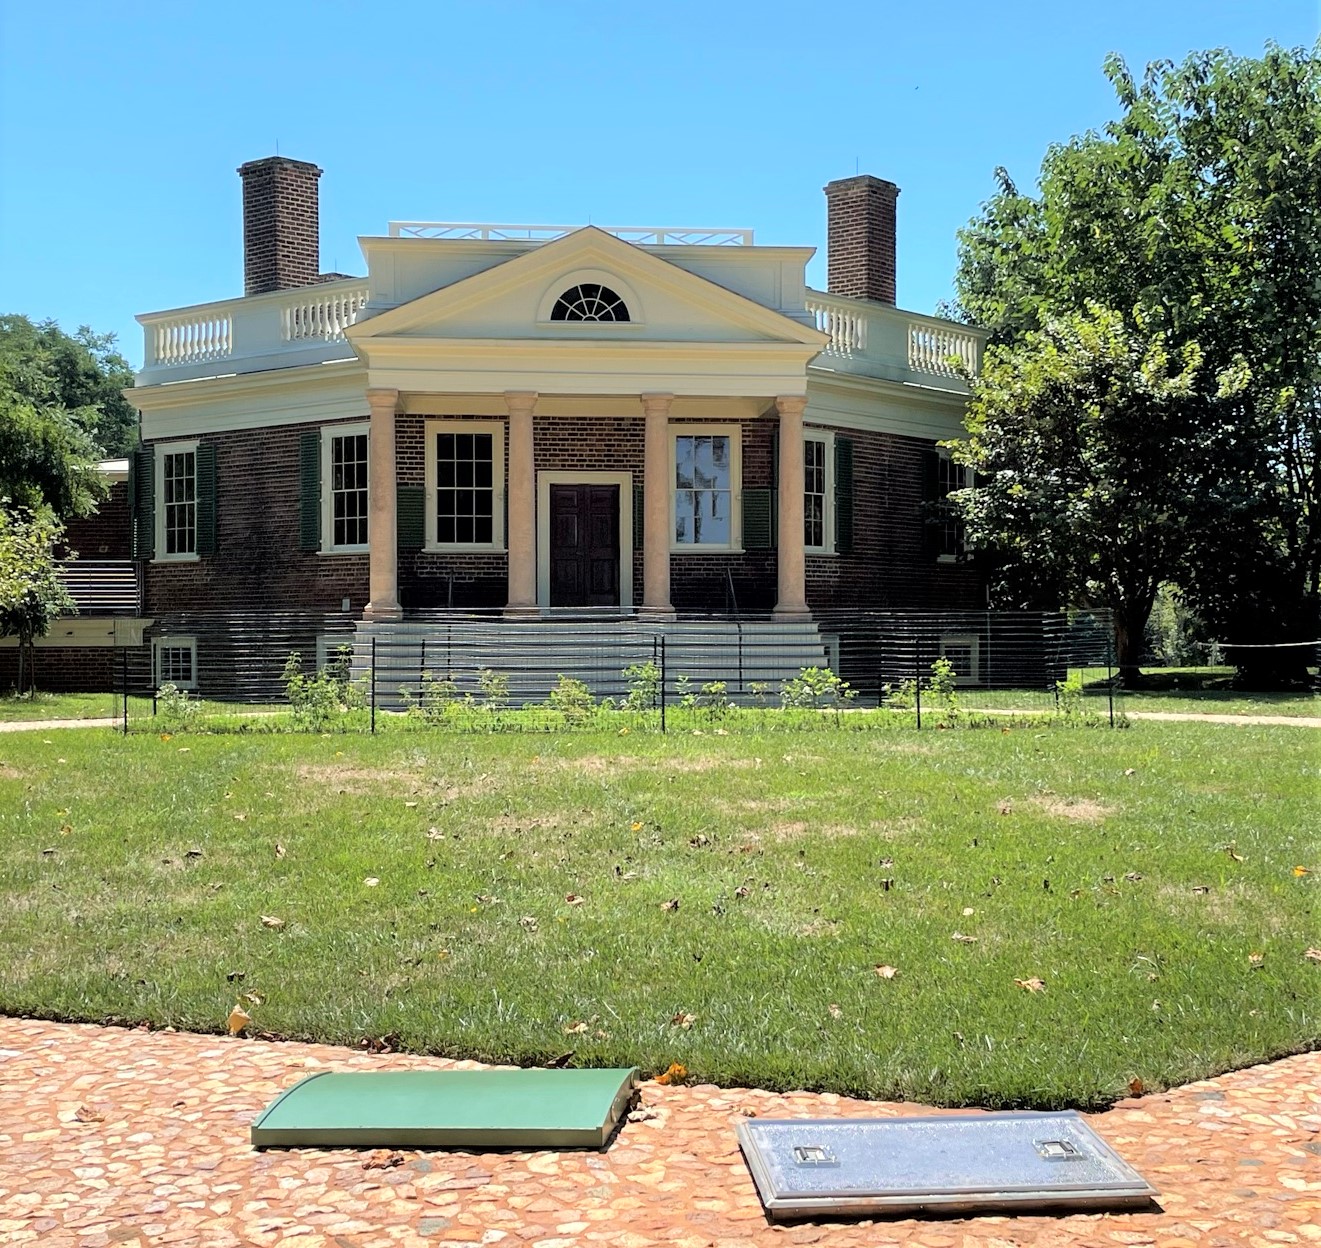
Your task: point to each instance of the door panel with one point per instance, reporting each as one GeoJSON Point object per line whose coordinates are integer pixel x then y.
{"type": "Point", "coordinates": [584, 551]}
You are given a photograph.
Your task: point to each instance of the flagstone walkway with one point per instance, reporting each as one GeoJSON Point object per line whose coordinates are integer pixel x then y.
{"type": "Point", "coordinates": [113, 1137]}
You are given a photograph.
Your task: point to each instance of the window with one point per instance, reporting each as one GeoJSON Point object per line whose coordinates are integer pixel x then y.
{"type": "Point", "coordinates": [465, 469]}
{"type": "Point", "coordinates": [176, 662]}
{"type": "Point", "coordinates": [706, 484]}
{"type": "Point", "coordinates": [819, 492]}
{"type": "Point", "coordinates": [589, 301]}
{"type": "Point", "coordinates": [961, 652]}
{"type": "Point", "coordinates": [176, 480]}
{"type": "Point", "coordinates": [949, 528]}
{"type": "Point", "coordinates": [344, 450]}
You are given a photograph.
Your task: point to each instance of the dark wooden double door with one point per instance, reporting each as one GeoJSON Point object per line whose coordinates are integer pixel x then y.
{"type": "Point", "coordinates": [584, 545]}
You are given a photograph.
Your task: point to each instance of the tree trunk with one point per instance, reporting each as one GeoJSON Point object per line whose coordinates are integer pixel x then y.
{"type": "Point", "coordinates": [1131, 618]}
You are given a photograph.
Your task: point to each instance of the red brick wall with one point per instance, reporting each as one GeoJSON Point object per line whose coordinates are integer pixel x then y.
{"type": "Point", "coordinates": [63, 669]}
{"type": "Point", "coordinates": [106, 533]}
{"type": "Point", "coordinates": [258, 565]}
{"type": "Point", "coordinates": [860, 242]}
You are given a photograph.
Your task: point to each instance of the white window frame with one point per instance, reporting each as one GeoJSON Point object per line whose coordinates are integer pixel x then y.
{"type": "Point", "coordinates": [160, 645]}
{"type": "Point", "coordinates": [973, 643]}
{"type": "Point", "coordinates": [328, 434]}
{"type": "Point", "coordinates": [964, 472]}
{"type": "Point", "coordinates": [162, 450]}
{"type": "Point", "coordinates": [496, 429]}
{"type": "Point", "coordinates": [827, 436]}
{"type": "Point", "coordinates": [734, 433]}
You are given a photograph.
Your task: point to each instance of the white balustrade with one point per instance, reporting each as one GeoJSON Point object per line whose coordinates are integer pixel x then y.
{"type": "Point", "coordinates": [940, 350]}
{"type": "Point", "coordinates": [321, 315]}
{"type": "Point", "coordinates": [847, 328]}
{"type": "Point", "coordinates": [190, 339]}
{"type": "Point", "coordinates": [650, 235]}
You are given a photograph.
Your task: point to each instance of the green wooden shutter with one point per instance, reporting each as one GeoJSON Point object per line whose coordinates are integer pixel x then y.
{"type": "Point", "coordinates": [932, 516]}
{"type": "Point", "coordinates": [758, 530]}
{"type": "Point", "coordinates": [205, 466]}
{"type": "Point", "coordinates": [843, 495]}
{"type": "Point", "coordinates": [639, 515]}
{"type": "Point", "coordinates": [142, 500]}
{"type": "Point", "coordinates": [309, 475]}
{"type": "Point", "coordinates": [410, 517]}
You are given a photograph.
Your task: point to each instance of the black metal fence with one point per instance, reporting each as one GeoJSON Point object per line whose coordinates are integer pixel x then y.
{"type": "Point", "coordinates": [304, 671]}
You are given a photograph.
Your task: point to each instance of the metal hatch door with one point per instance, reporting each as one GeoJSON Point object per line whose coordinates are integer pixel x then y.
{"type": "Point", "coordinates": [954, 1163]}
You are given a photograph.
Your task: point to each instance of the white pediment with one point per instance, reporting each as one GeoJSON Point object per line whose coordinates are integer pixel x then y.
{"type": "Point", "coordinates": [514, 300]}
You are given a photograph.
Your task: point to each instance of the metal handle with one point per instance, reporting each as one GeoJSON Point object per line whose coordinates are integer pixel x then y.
{"type": "Point", "coordinates": [1057, 1150]}
{"type": "Point", "coordinates": [814, 1155]}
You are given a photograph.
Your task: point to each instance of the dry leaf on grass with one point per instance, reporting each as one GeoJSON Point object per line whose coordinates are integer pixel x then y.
{"type": "Point", "coordinates": [834, 1010]}
{"type": "Point", "coordinates": [279, 850]}
{"type": "Point", "coordinates": [683, 1019]}
{"type": "Point", "coordinates": [1032, 985]}
{"type": "Point", "coordinates": [269, 920]}
{"type": "Point", "coordinates": [241, 818]}
{"type": "Point", "coordinates": [238, 1019]}
{"type": "Point", "coordinates": [528, 923]}
{"type": "Point", "coordinates": [1232, 850]}
{"type": "Point", "coordinates": [576, 1029]}
{"type": "Point", "coordinates": [886, 972]}
{"type": "Point", "coordinates": [371, 881]}
{"type": "Point", "coordinates": [1312, 955]}
{"type": "Point", "coordinates": [1256, 960]}
{"type": "Point", "coordinates": [1136, 1086]}
{"type": "Point", "coordinates": [572, 899]}
{"type": "Point", "coordinates": [672, 904]}
{"type": "Point", "coordinates": [968, 912]}
{"type": "Point", "coordinates": [1302, 871]}
{"type": "Point", "coordinates": [676, 1073]}
{"type": "Point", "coordinates": [964, 940]}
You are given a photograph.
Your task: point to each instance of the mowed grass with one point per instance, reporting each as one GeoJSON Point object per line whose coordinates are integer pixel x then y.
{"type": "Point", "coordinates": [68, 706]}
{"type": "Point", "coordinates": [718, 901]}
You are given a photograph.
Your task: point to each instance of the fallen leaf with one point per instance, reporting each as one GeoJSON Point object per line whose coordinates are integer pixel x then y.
{"type": "Point", "coordinates": [371, 881]}
{"type": "Point", "coordinates": [572, 899]}
{"type": "Point", "coordinates": [698, 841]}
{"type": "Point", "coordinates": [528, 923]}
{"type": "Point", "coordinates": [253, 998]}
{"type": "Point", "coordinates": [1128, 771]}
{"type": "Point", "coordinates": [683, 1019]}
{"type": "Point", "coordinates": [193, 853]}
{"type": "Point", "coordinates": [435, 834]}
{"type": "Point", "coordinates": [1032, 985]}
{"type": "Point", "coordinates": [623, 732]}
{"type": "Point", "coordinates": [672, 904]}
{"type": "Point", "coordinates": [885, 862]}
{"type": "Point", "coordinates": [85, 1113]}
{"type": "Point", "coordinates": [269, 920]}
{"type": "Point", "coordinates": [47, 853]}
{"type": "Point", "coordinates": [1136, 1086]}
{"type": "Point", "coordinates": [635, 826]}
{"type": "Point", "coordinates": [1201, 888]}
{"type": "Point", "coordinates": [1256, 960]}
{"type": "Point", "coordinates": [643, 1113]}
{"type": "Point", "coordinates": [410, 805]}
{"type": "Point", "coordinates": [185, 749]}
{"type": "Point", "coordinates": [676, 1073]}
{"type": "Point", "coordinates": [1133, 876]}
{"type": "Point", "coordinates": [241, 818]}
{"type": "Point", "coordinates": [834, 1011]}
{"type": "Point", "coordinates": [886, 972]}
{"type": "Point", "coordinates": [1312, 955]}
{"type": "Point", "coordinates": [964, 940]}
{"type": "Point", "coordinates": [239, 1018]}
{"type": "Point", "coordinates": [1302, 871]}
{"type": "Point", "coordinates": [165, 736]}
{"type": "Point", "coordinates": [558, 1063]}
{"type": "Point", "coordinates": [742, 891]}
{"type": "Point", "coordinates": [1006, 808]}
{"type": "Point", "coordinates": [968, 912]}
{"type": "Point", "coordinates": [1232, 850]}
{"type": "Point", "coordinates": [576, 1029]}
{"type": "Point", "coordinates": [383, 1159]}
{"type": "Point", "coordinates": [236, 977]}
{"type": "Point", "coordinates": [279, 850]}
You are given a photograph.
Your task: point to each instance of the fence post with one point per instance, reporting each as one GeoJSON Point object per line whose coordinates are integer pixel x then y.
{"type": "Point", "coordinates": [662, 681]}
{"type": "Point", "coordinates": [1109, 670]}
{"type": "Point", "coordinates": [123, 667]}
{"type": "Point", "coordinates": [917, 678]}
{"type": "Point", "coordinates": [373, 684]}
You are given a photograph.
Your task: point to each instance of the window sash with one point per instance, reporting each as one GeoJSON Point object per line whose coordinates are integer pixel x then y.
{"type": "Point", "coordinates": [176, 662]}
{"type": "Point", "coordinates": [348, 490]}
{"type": "Point", "coordinates": [815, 481]}
{"type": "Point", "coordinates": [179, 499]}
{"type": "Point", "coordinates": [465, 499]}
{"type": "Point", "coordinates": [703, 489]}
{"type": "Point", "coordinates": [950, 476]}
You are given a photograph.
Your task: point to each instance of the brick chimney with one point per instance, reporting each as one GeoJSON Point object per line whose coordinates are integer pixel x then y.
{"type": "Point", "coordinates": [860, 238]}
{"type": "Point", "coordinates": [281, 224]}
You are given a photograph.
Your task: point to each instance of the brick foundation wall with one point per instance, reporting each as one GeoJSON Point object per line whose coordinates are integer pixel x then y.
{"type": "Point", "coordinates": [258, 565]}
{"type": "Point", "coordinates": [64, 669]}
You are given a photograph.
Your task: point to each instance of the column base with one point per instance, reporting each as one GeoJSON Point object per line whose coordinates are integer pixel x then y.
{"type": "Point", "coordinates": [383, 612]}
{"type": "Point", "coordinates": [666, 612]}
{"type": "Point", "coordinates": [522, 611]}
{"type": "Point", "coordinates": [790, 612]}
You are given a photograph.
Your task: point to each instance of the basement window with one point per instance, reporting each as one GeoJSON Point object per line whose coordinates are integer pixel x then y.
{"type": "Point", "coordinates": [175, 661]}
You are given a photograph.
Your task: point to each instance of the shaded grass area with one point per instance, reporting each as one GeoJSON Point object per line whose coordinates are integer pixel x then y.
{"type": "Point", "coordinates": [68, 706]}
{"type": "Point", "coordinates": [722, 902]}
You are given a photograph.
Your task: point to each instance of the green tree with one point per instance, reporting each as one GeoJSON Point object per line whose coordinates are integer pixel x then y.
{"type": "Point", "coordinates": [32, 595]}
{"type": "Point", "coordinates": [1089, 445]}
{"type": "Point", "coordinates": [1195, 215]}
{"type": "Point", "coordinates": [47, 457]}
{"type": "Point", "coordinates": [81, 373]}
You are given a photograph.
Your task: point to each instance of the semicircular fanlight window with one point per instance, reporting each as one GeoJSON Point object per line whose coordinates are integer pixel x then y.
{"type": "Point", "coordinates": [589, 301]}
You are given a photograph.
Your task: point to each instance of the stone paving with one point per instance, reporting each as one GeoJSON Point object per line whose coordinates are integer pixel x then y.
{"type": "Point", "coordinates": [113, 1137]}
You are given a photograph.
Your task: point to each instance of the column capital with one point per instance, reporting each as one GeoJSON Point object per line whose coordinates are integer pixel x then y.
{"type": "Point", "coordinates": [791, 404]}
{"type": "Point", "coordinates": [520, 401]}
{"type": "Point", "coordinates": [378, 398]}
{"type": "Point", "coordinates": [656, 404]}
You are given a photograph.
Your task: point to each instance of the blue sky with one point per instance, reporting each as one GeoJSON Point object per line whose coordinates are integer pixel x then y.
{"type": "Point", "coordinates": [121, 125]}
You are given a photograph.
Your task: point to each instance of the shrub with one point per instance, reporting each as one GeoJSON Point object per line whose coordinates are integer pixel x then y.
{"type": "Point", "coordinates": [175, 710]}
{"type": "Point", "coordinates": [644, 681]}
{"type": "Point", "coordinates": [942, 685]}
{"type": "Point", "coordinates": [495, 689]}
{"type": "Point", "coordinates": [816, 688]}
{"type": "Point", "coordinates": [317, 700]}
{"type": "Point", "coordinates": [572, 698]}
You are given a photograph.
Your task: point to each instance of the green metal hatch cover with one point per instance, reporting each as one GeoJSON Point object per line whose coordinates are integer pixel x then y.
{"type": "Point", "coordinates": [448, 1109]}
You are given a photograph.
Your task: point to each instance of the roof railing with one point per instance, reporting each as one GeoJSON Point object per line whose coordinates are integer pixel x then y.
{"type": "Point", "coordinates": [649, 235]}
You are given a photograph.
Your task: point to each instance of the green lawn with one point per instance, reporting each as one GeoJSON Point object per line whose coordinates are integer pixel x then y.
{"type": "Point", "coordinates": [67, 706]}
{"type": "Point", "coordinates": [736, 895]}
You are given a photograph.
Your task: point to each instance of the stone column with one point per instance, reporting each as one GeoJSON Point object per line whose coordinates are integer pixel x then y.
{"type": "Point", "coordinates": [521, 538]}
{"type": "Point", "coordinates": [381, 482]}
{"type": "Point", "coordinates": [656, 486]}
{"type": "Point", "coordinates": [791, 598]}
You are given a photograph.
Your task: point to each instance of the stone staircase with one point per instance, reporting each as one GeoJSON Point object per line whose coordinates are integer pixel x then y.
{"type": "Point", "coordinates": [535, 652]}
